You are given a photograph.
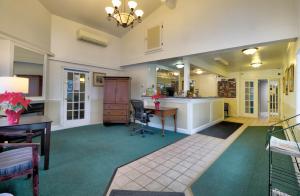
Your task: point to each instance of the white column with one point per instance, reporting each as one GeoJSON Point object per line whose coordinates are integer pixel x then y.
{"type": "Point", "coordinates": [6, 58]}
{"type": "Point", "coordinates": [186, 86]}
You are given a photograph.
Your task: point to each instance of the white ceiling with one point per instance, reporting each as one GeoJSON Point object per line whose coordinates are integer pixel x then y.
{"type": "Point", "coordinates": [92, 12]}
{"type": "Point", "coordinates": [271, 55]}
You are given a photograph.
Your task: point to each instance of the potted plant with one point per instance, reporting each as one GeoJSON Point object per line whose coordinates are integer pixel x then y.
{"type": "Point", "coordinates": [13, 104]}
{"type": "Point", "coordinates": [156, 102]}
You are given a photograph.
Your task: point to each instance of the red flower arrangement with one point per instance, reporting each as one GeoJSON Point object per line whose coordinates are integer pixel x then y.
{"type": "Point", "coordinates": [156, 101]}
{"type": "Point", "coordinates": [13, 104]}
{"type": "Point", "coordinates": [156, 98]}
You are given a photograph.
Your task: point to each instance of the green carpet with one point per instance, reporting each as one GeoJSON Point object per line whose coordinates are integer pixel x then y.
{"type": "Point", "coordinates": [242, 169]}
{"type": "Point", "coordinates": [83, 159]}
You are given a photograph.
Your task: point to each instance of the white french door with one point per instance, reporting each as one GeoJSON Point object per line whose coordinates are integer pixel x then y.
{"type": "Point", "coordinates": [274, 99]}
{"type": "Point", "coordinates": [249, 98]}
{"type": "Point", "coordinates": [76, 98]}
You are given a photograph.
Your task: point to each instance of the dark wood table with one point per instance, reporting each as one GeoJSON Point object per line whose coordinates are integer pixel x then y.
{"type": "Point", "coordinates": [32, 123]}
{"type": "Point", "coordinates": [163, 112]}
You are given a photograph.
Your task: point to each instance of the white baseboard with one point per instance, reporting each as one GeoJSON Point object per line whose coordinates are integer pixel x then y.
{"type": "Point", "coordinates": [186, 131]}
{"type": "Point", "coordinates": [169, 128]}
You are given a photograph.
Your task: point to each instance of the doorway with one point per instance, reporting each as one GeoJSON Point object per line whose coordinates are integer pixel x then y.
{"type": "Point", "coordinates": [263, 98]}
{"type": "Point", "coordinates": [76, 98]}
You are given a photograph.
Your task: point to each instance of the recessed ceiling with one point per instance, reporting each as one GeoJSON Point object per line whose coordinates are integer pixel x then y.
{"type": "Point", "coordinates": [271, 55]}
{"type": "Point", "coordinates": [92, 12]}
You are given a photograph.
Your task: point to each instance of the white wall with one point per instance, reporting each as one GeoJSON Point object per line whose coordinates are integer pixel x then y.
{"type": "Point", "coordinates": [143, 77]}
{"type": "Point", "coordinates": [263, 96]}
{"type": "Point", "coordinates": [27, 20]}
{"type": "Point", "coordinates": [289, 101]}
{"type": "Point", "coordinates": [198, 26]}
{"type": "Point", "coordinates": [207, 84]}
{"type": "Point", "coordinates": [75, 54]}
{"type": "Point", "coordinates": [54, 102]}
{"type": "Point", "coordinates": [66, 47]}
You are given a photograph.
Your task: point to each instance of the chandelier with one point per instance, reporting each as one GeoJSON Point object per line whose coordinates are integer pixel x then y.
{"type": "Point", "coordinates": [121, 16]}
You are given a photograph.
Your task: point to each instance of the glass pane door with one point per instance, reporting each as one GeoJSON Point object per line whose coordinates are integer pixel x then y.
{"type": "Point", "coordinates": [249, 97]}
{"type": "Point", "coordinates": [75, 96]}
{"type": "Point", "coordinates": [274, 99]}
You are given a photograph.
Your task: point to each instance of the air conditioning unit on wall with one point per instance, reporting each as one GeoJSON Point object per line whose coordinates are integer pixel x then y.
{"type": "Point", "coordinates": [92, 38]}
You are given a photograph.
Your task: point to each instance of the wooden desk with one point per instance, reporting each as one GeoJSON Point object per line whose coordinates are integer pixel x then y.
{"type": "Point", "coordinates": [162, 113]}
{"type": "Point", "coordinates": [31, 123]}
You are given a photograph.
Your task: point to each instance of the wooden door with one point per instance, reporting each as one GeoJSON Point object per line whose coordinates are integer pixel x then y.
{"type": "Point", "coordinates": [110, 91]}
{"type": "Point", "coordinates": [122, 92]}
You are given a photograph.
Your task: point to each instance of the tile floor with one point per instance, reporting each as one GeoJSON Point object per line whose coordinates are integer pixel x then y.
{"type": "Point", "coordinates": [175, 167]}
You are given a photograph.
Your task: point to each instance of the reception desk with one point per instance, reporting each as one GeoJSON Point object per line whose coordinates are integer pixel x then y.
{"type": "Point", "coordinates": [193, 114]}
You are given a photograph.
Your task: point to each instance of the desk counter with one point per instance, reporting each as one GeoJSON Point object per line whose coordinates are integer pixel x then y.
{"type": "Point", "coordinates": [193, 114]}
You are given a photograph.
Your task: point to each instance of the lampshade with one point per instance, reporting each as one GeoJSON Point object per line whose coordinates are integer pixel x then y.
{"type": "Point", "coordinates": [109, 10]}
{"type": "Point", "coordinates": [139, 13]}
{"type": "Point", "coordinates": [132, 4]}
{"type": "Point", "coordinates": [14, 84]}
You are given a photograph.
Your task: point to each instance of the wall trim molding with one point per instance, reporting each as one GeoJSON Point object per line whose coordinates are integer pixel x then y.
{"type": "Point", "coordinates": [82, 64]}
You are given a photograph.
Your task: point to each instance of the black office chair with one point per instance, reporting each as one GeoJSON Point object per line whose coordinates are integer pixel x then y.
{"type": "Point", "coordinates": [141, 115]}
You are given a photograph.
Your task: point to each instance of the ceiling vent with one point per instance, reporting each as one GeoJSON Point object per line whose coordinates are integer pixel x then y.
{"type": "Point", "coordinates": [154, 38]}
{"type": "Point", "coordinates": [92, 38]}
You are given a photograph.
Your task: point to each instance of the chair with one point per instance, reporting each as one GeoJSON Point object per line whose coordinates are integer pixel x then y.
{"type": "Point", "coordinates": [141, 115]}
{"type": "Point", "coordinates": [226, 109]}
{"type": "Point", "coordinates": [20, 159]}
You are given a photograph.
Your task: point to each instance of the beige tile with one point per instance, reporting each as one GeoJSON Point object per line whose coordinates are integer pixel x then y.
{"type": "Point", "coordinates": [177, 186]}
{"type": "Point", "coordinates": [132, 186]}
{"type": "Point", "coordinates": [175, 160]}
{"type": "Point", "coordinates": [186, 164]}
{"type": "Point", "coordinates": [143, 180]}
{"type": "Point", "coordinates": [162, 169]}
{"type": "Point", "coordinates": [124, 169]}
{"type": "Point", "coordinates": [180, 168]}
{"type": "Point", "coordinates": [172, 174]}
{"type": "Point", "coordinates": [151, 164]}
{"type": "Point", "coordinates": [133, 174]}
{"type": "Point", "coordinates": [169, 164]}
{"type": "Point", "coordinates": [143, 169]}
{"type": "Point", "coordinates": [164, 180]}
{"type": "Point", "coordinates": [185, 180]}
{"type": "Point", "coordinates": [191, 173]}
{"type": "Point", "coordinates": [153, 174]}
{"type": "Point", "coordinates": [167, 190]}
{"type": "Point", "coordinates": [122, 180]}
{"type": "Point", "coordinates": [154, 186]}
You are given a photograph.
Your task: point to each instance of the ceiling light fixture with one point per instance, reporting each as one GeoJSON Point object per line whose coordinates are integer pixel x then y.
{"type": "Point", "coordinates": [176, 73]}
{"type": "Point", "coordinates": [199, 71]}
{"type": "Point", "coordinates": [121, 16]}
{"type": "Point", "coordinates": [180, 65]}
{"type": "Point", "coordinates": [256, 64]}
{"type": "Point", "coordinates": [250, 51]}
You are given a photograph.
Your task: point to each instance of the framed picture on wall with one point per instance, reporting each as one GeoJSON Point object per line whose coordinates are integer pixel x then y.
{"type": "Point", "coordinates": [291, 78]}
{"type": "Point", "coordinates": [286, 86]}
{"type": "Point", "coordinates": [283, 84]}
{"type": "Point", "coordinates": [98, 79]}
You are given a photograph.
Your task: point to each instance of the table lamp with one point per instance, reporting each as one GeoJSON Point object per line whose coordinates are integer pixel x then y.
{"type": "Point", "coordinates": [14, 84]}
{"type": "Point", "coordinates": [12, 99]}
